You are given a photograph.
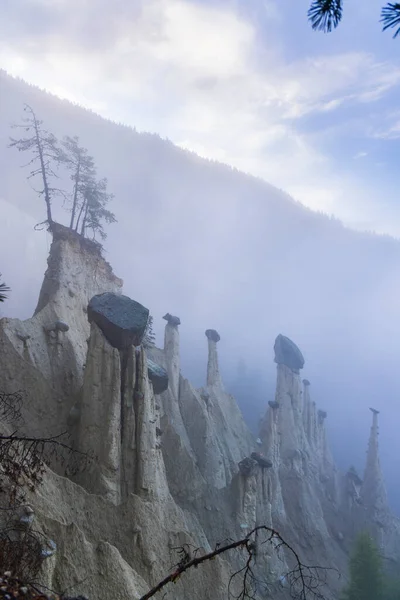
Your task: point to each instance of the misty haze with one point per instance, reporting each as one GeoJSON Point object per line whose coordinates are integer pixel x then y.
{"type": "Point", "coordinates": [247, 377]}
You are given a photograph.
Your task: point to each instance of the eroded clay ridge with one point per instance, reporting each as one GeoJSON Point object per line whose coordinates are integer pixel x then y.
{"type": "Point", "coordinates": [173, 464]}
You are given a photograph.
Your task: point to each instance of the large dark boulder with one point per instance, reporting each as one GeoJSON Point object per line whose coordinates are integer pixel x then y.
{"type": "Point", "coordinates": [265, 463]}
{"type": "Point", "coordinates": [172, 319]}
{"type": "Point", "coordinates": [287, 353]}
{"type": "Point", "coordinates": [213, 335]}
{"type": "Point", "coordinates": [158, 377]}
{"type": "Point", "coordinates": [122, 320]}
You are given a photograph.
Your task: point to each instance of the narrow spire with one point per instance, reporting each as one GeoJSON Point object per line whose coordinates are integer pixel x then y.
{"type": "Point", "coordinates": [213, 374]}
{"type": "Point", "coordinates": [171, 349]}
{"type": "Point", "coordinates": [373, 492]}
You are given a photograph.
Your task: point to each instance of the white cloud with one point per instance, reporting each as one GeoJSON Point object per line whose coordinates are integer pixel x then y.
{"type": "Point", "coordinates": [390, 130]}
{"type": "Point", "coordinates": [193, 72]}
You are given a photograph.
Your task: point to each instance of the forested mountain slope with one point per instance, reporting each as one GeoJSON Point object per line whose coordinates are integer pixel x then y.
{"type": "Point", "coordinates": [223, 249]}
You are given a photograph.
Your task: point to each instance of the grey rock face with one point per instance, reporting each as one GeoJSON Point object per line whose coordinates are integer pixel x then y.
{"type": "Point", "coordinates": [174, 464]}
{"type": "Point", "coordinates": [23, 337]}
{"type": "Point", "coordinates": [246, 466]}
{"type": "Point", "coordinates": [172, 355]}
{"type": "Point", "coordinates": [122, 320]}
{"type": "Point", "coordinates": [172, 320]}
{"type": "Point", "coordinates": [213, 335]}
{"type": "Point", "coordinates": [205, 396]}
{"type": "Point", "coordinates": [158, 377]}
{"type": "Point", "coordinates": [287, 353]}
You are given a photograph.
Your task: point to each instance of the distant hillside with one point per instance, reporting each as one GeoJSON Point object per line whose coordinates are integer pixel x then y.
{"type": "Point", "coordinates": [225, 250]}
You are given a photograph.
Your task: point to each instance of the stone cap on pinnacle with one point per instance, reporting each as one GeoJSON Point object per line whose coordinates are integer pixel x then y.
{"type": "Point", "coordinates": [172, 320]}
{"type": "Point", "coordinates": [213, 335]}
{"type": "Point", "coordinates": [287, 353]}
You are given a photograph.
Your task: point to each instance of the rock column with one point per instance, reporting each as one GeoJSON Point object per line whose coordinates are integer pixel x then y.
{"type": "Point", "coordinates": [115, 415]}
{"type": "Point", "coordinates": [171, 349]}
{"type": "Point", "coordinates": [98, 432]}
{"type": "Point", "coordinates": [213, 374]}
{"type": "Point", "coordinates": [288, 397]}
{"type": "Point", "coordinates": [373, 492]}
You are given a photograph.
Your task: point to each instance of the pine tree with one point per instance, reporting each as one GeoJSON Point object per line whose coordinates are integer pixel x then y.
{"type": "Point", "coordinates": [93, 209]}
{"type": "Point", "coordinates": [89, 196]}
{"type": "Point", "coordinates": [392, 589]}
{"type": "Point", "coordinates": [81, 166]}
{"type": "Point", "coordinates": [365, 570]}
{"type": "Point", "coordinates": [3, 291]}
{"type": "Point", "coordinates": [149, 339]}
{"type": "Point", "coordinates": [326, 15]}
{"type": "Point", "coordinates": [43, 145]}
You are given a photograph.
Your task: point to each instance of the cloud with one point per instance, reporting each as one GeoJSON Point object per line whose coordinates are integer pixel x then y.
{"type": "Point", "coordinates": [389, 128]}
{"type": "Point", "coordinates": [206, 76]}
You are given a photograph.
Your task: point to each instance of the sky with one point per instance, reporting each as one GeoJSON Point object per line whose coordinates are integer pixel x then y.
{"type": "Point", "coordinates": [245, 82]}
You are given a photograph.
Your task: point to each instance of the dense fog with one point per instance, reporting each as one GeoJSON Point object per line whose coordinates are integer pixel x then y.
{"type": "Point", "coordinates": [224, 250]}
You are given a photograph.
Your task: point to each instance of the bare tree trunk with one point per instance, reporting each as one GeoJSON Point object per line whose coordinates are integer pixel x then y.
{"type": "Point", "coordinates": [84, 219]}
{"type": "Point", "coordinates": [80, 214]}
{"type": "Point", "coordinates": [43, 169]}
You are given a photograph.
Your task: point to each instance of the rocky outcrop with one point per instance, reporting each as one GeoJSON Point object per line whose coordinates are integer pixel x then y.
{"type": "Point", "coordinates": [47, 353]}
{"type": "Point", "coordinates": [370, 503]}
{"type": "Point", "coordinates": [170, 464]}
{"type": "Point", "coordinates": [97, 430]}
{"type": "Point", "coordinates": [172, 353]}
{"type": "Point", "coordinates": [122, 320]}
{"type": "Point", "coordinates": [373, 492]}
{"type": "Point", "coordinates": [287, 353]}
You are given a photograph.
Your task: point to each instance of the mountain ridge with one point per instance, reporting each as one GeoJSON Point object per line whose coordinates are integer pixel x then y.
{"type": "Point", "coordinates": [222, 250]}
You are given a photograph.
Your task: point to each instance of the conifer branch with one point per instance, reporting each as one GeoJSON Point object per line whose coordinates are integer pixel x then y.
{"type": "Point", "coordinates": [325, 15]}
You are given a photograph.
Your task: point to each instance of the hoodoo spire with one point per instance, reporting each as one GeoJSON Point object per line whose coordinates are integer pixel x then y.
{"type": "Point", "coordinates": [373, 492]}
{"type": "Point", "coordinates": [213, 374]}
{"type": "Point", "coordinates": [171, 349]}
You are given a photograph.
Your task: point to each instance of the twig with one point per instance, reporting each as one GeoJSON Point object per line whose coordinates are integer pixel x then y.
{"type": "Point", "coordinates": [301, 573]}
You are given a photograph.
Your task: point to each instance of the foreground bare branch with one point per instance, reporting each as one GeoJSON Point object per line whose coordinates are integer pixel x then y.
{"type": "Point", "coordinates": [304, 581]}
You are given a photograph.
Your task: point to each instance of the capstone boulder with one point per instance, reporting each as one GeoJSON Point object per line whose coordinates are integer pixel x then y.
{"type": "Point", "coordinates": [158, 377]}
{"type": "Point", "coordinates": [265, 463]}
{"type": "Point", "coordinates": [122, 320]}
{"type": "Point", "coordinates": [213, 335]}
{"type": "Point", "coordinates": [172, 320]}
{"type": "Point", "coordinates": [61, 326]}
{"type": "Point", "coordinates": [322, 414]}
{"type": "Point", "coordinates": [287, 353]}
